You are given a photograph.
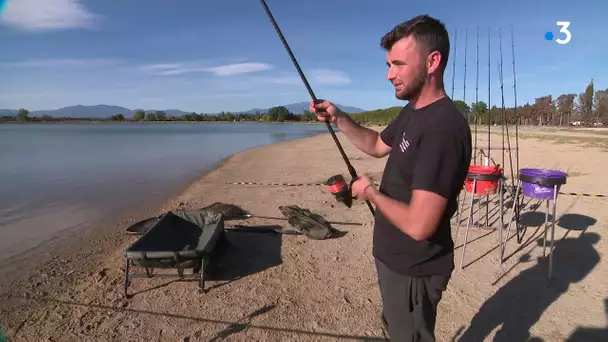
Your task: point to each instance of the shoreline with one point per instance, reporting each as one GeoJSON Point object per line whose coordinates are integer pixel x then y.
{"type": "Point", "coordinates": [71, 237]}
{"type": "Point", "coordinates": [155, 122]}
{"type": "Point", "coordinates": [125, 214]}
{"type": "Point", "coordinates": [59, 241]}
{"type": "Point", "coordinates": [332, 283]}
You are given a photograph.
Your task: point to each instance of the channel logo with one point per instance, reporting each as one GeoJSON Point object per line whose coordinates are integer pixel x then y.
{"type": "Point", "coordinates": [564, 37]}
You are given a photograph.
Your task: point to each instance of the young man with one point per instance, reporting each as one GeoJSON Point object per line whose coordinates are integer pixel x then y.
{"type": "Point", "coordinates": [429, 149]}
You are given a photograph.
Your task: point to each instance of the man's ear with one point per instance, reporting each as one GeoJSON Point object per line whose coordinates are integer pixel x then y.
{"type": "Point", "coordinates": [433, 61]}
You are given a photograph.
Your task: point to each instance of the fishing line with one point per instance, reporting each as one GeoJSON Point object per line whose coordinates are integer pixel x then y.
{"type": "Point", "coordinates": [351, 169]}
{"type": "Point", "coordinates": [579, 194]}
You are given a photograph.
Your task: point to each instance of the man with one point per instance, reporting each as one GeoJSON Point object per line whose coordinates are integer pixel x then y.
{"type": "Point", "coordinates": [429, 149]}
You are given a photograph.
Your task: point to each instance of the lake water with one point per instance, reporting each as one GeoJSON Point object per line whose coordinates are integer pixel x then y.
{"type": "Point", "coordinates": [55, 177]}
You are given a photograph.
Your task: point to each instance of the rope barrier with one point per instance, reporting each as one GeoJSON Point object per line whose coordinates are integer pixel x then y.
{"type": "Point", "coordinates": [275, 184]}
{"type": "Point", "coordinates": [580, 194]}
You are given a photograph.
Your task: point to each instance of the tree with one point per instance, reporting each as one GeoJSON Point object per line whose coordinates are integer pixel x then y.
{"type": "Point", "coordinates": [565, 107]}
{"type": "Point", "coordinates": [463, 108]}
{"type": "Point", "coordinates": [477, 109]}
{"type": "Point", "coordinates": [160, 115]}
{"type": "Point", "coordinates": [139, 115]}
{"type": "Point", "coordinates": [279, 113]}
{"type": "Point", "coordinates": [495, 115]}
{"type": "Point", "coordinates": [543, 110]}
{"type": "Point", "coordinates": [117, 117]}
{"type": "Point", "coordinates": [22, 116]}
{"type": "Point", "coordinates": [586, 103]}
{"type": "Point", "coordinates": [601, 105]}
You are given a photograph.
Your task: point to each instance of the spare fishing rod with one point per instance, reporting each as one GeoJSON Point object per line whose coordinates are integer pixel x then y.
{"type": "Point", "coordinates": [351, 169]}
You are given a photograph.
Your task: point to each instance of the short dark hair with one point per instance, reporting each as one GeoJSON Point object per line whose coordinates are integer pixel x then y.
{"type": "Point", "coordinates": [429, 32]}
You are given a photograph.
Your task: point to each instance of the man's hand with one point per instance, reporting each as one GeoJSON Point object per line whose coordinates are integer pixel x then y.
{"type": "Point", "coordinates": [325, 111]}
{"type": "Point", "coordinates": [362, 188]}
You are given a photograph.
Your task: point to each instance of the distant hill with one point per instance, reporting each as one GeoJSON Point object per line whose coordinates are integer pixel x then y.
{"type": "Point", "coordinates": [90, 112]}
{"type": "Point", "coordinates": [106, 111]}
{"type": "Point", "coordinates": [8, 112]}
{"type": "Point", "coordinates": [299, 108]}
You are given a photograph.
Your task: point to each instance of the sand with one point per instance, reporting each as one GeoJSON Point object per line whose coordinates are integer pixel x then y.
{"type": "Point", "coordinates": [290, 288]}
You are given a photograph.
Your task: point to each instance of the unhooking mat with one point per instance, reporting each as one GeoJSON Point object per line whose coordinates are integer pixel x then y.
{"type": "Point", "coordinates": [312, 225]}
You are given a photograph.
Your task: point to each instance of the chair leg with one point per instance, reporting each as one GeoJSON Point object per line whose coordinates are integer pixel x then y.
{"type": "Point", "coordinates": [201, 284]}
{"type": "Point", "coordinates": [126, 276]}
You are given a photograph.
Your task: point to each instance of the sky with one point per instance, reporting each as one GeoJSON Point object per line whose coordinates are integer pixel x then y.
{"type": "Point", "coordinates": [211, 56]}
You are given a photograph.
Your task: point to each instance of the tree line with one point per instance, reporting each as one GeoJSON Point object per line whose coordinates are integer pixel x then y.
{"type": "Point", "coordinates": [275, 114]}
{"type": "Point", "coordinates": [588, 108]}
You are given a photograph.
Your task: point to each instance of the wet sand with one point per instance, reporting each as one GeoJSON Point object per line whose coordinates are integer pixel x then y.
{"type": "Point", "coordinates": [288, 288]}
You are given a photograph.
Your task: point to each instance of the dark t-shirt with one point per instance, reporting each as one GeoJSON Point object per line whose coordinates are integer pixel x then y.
{"type": "Point", "coordinates": [431, 150]}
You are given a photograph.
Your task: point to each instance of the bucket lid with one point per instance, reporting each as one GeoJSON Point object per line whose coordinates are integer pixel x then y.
{"type": "Point", "coordinates": [546, 173]}
{"type": "Point", "coordinates": [483, 169]}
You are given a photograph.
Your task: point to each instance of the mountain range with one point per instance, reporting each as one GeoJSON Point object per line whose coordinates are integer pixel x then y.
{"type": "Point", "coordinates": [105, 111]}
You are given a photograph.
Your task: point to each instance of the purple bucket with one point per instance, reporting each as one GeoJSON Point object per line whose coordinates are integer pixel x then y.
{"type": "Point", "coordinates": [537, 190]}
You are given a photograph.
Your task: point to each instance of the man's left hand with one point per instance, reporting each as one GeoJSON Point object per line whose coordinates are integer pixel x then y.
{"type": "Point", "coordinates": [362, 188]}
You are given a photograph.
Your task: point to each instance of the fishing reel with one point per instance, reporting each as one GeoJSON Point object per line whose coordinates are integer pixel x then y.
{"type": "Point", "coordinates": [340, 189]}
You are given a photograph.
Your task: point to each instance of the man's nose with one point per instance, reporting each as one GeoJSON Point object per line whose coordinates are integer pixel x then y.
{"type": "Point", "coordinates": [390, 75]}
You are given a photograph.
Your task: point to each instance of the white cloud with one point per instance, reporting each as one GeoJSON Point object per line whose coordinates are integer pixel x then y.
{"type": "Point", "coordinates": [325, 76]}
{"type": "Point", "coordinates": [61, 63]}
{"type": "Point", "coordinates": [170, 69]}
{"type": "Point", "coordinates": [41, 15]}
{"type": "Point", "coordinates": [221, 70]}
{"type": "Point", "coordinates": [285, 80]}
{"type": "Point", "coordinates": [318, 76]}
{"type": "Point", "coordinates": [154, 67]}
{"type": "Point", "coordinates": [239, 68]}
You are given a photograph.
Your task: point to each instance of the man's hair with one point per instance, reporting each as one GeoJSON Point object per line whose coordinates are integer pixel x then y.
{"type": "Point", "coordinates": [429, 32]}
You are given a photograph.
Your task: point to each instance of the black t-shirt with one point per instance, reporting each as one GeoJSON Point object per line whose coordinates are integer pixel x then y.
{"type": "Point", "coordinates": [431, 150]}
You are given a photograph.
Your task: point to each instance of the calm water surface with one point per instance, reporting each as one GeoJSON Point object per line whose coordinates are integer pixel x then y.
{"type": "Point", "coordinates": [64, 176]}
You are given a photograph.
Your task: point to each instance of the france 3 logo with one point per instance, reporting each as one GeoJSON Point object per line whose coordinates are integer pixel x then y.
{"type": "Point", "coordinates": [564, 29]}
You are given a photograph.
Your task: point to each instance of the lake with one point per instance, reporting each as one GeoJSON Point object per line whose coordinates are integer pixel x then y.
{"type": "Point", "coordinates": [58, 177]}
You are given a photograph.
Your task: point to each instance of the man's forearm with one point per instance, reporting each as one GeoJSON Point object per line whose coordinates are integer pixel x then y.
{"type": "Point", "coordinates": [398, 213]}
{"type": "Point", "coordinates": [362, 137]}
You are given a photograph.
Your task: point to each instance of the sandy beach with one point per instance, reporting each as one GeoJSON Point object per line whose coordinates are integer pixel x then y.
{"type": "Point", "coordinates": [291, 288]}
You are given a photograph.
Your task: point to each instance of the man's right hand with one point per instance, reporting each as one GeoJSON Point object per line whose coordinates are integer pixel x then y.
{"type": "Point", "coordinates": [325, 111]}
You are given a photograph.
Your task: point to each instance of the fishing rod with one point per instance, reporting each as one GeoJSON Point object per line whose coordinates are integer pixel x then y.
{"type": "Point", "coordinates": [464, 85]}
{"type": "Point", "coordinates": [504, 116]}
{"type": "Point", "coordinates": [454, 61]}
{"type": "Point", "coordinates": [477, 114]}
{"type": "Point", "coordinates": [489, 98]}
{"type": "Point", "coordinates": [516, 109]}
{"type": "Point", "coordinates": [351, 169]}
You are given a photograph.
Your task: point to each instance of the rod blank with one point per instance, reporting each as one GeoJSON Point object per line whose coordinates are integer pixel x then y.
{"type": "Point", "coordinates": [351, 169]}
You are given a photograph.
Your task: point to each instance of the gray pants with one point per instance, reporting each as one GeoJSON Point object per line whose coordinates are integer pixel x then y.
{"type": "Point", "coordinates": [409, 304]}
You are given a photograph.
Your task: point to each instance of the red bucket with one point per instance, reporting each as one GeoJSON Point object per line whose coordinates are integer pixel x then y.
{"type": "Point", "coordinates": [483, 187]}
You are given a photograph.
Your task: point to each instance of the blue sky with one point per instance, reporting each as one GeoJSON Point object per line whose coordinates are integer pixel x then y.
{"type": "Point", "coordinates": [209, 56]}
